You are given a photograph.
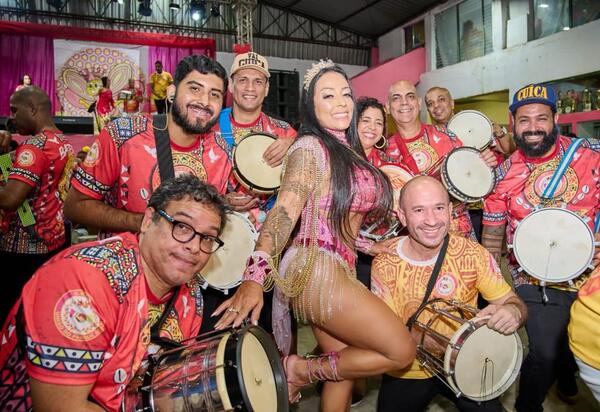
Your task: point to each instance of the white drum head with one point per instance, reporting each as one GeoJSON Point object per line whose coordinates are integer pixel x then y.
{"type": "Point", "coordinates": [249, 166]}
{"type": "Point", "coordinates": [398, 178]}
{"type": "Point", "coordinates": [226, 266]}
{"type": "Point", "coordinates": [553, 245]}
{"type": "Point", "coordinates": [488, 362]}
{"type": "Point", "coordinates": [473, 128]}
{"type": "Point", "coordinates": [257, 374]}
{"type": "Point", "coordinates": [468, 173]}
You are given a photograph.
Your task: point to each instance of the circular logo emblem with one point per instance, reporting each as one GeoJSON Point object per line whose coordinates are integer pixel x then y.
{"type": "Point", "coordinates": [93, 155]}
{"type": "Point", "coordinates": [425, 155]}
{"type": "Point", "coordinates": [76, 318]}
{"type": "Point", "coordinates": [540, 178]}
{"type": "Point", "coordinates": [26, 158]}
{"type": "Point", "coordinates": [445, 285]}
{"type": "Point", "coordinates": [182, 163]}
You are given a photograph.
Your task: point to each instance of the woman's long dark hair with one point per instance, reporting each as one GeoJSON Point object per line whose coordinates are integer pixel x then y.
{"type": "Point", "coordinates": [343, 163]}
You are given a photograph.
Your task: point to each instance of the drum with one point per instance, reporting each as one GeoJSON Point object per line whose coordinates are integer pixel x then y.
{"type": "Point", "coordinates": [249, 167]}
{"type": "Point", "coordinates": [473, 128]}
{"type": "Point", "coordinates": [236, 369]}
{"type": "Point", "coordinates": [553, 245]}
{"type": "Point", "coordinates": [473, 360]}
{"type": "Point", "coordinates": [466, 176]}
{"type": "Point", "coordinates": [398, 176]}
{"type": "Point", "coordinates": [225, 268]}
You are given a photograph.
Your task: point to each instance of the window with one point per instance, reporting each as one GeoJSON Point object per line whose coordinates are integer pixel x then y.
{"type": "Point", "coordinates": [552, 16]}
{"type": "Point", "coordinates": [414, 36]}
{"type": "Point", "coordinates": [463, 32]}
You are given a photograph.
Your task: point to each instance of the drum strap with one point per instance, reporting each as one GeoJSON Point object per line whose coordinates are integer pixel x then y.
{"type": "Point", "coordinates": [563, 165]}
{"type": "Point", "coordinates": [432, 280]}
{"type": "Point", "coordinates": [226, 129]}
{"type": "Point", "coordinates": [164, 156]}
{"type": "Point", "coordinates": [155, 329]}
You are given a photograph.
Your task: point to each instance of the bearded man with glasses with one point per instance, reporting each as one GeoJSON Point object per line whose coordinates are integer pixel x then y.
{"type": "Point", "coordinates": [90, 316]}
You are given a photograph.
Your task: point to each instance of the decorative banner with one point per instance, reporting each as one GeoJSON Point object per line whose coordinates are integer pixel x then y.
{"type": "Point", "coordinates": [79, 67]}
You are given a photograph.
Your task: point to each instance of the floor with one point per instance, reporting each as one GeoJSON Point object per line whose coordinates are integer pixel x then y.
{"type": "Point", "coordinates": [310, 399]}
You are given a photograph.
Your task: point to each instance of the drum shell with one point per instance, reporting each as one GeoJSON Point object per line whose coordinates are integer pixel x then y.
{"type": "Point", "coordinates": [440, 352]}
{"type": "Point", "coordinates": [246, 181]}
{"type": "Point", "coordinates": [456, 192]}
{"type": "Point", "coordinates": [205, 375]}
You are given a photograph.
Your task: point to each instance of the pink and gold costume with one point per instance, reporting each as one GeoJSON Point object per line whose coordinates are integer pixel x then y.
{"type": "Point", "coordinates": [318, 262]}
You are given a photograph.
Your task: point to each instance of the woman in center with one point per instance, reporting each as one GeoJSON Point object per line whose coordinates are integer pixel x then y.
{"type": "Point", "coordinates": [330, 186]}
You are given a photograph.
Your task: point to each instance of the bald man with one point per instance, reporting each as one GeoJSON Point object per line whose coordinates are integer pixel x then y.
{"type": "Point", "coordinates": [40, 175]}
{"type": "Point", "coordinates": [400, 280]}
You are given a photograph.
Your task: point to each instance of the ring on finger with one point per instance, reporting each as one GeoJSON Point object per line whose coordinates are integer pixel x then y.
{"type": "Point", "coordinates": [233, 310]}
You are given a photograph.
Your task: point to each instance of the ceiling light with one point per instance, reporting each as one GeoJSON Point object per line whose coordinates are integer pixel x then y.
{"type": "Point", "coordinates": [198, 9]}
{"type": "Point", "coordinates": [215, 11]}
{"type": "Point", "coordinates": [566, 28]}
{"type": "Point", "coordinates": [120, 2]}
{"type": "Point", "coordinates": [57, 4]}
{"type": "Point", "coordinates": [543, 5]}
{"type": "Point", "coordinates": [145, 9]}
{"type": "Point", "coordinates": [174, 5]}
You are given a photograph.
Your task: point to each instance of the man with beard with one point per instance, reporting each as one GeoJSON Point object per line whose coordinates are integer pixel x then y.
{"type": "Point", "coordinates": [249, 86]}
{"type": "Point", "coordinates": [401, 279]}
{"type": "Point", "coordinates": [521, 180]}
{"type": "Point", "coordinates": [112, 186]}
{"type": "Point", "coordinates": [420, 146]}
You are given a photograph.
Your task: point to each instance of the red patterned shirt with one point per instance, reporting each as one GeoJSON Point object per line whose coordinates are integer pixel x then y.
{"type": "Point", "coordinates": [427, 148]}
{"type": "Point", "coordinates": [521, 180]}
{"type": "Point", "coordinates": [44, 163]}
{"type": "Point", "coordinates": [87, 315]}
{"type": "Point", "coordinates": [122, 169]}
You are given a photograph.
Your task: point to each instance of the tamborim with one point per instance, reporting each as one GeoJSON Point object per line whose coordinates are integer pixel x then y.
{"type": "Point", "coordinates": [473, 360]}
{"type": "Point", "coordinates": [249, 167]}
{"type": "Point", "coordinates": [233, 370]}
{"type": "Point", "coordinates": [553, 245]}
{"type": "Point", "coordinates": [473, 128]}
{"type": "Point", "coordinates": [225, 267]}
{"type": "Point", "coordinates": [466, 176]}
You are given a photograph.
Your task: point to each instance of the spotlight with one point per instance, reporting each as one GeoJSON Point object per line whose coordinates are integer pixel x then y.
{"type": "Point", "coordinates": [145, 8]}
{"type": "Point", "coordinates": [215, 11]}
{"type": "Point", "coordinates": [198, 9]}
{"type": "Point", "coordinates": [174, 6]}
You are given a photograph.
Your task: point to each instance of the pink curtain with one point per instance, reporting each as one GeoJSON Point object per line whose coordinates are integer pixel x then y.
{"type": "Point", "coordinates": [23, 54]}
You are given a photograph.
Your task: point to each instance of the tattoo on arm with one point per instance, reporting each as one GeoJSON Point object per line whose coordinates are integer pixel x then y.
{"type": "Point", "coordinates": [275, 231]}
{"type": "Point", "coordinates": [492, 238]}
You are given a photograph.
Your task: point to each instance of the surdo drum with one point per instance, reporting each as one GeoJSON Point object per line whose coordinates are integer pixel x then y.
{"type": "Point", "coordinates": [456, 346]}
{"type": "Point", "coordinates": [473, 128]}
{"type": "Point", "coordinates": [225, 268]}
{"type": "Point", "coordinates": [466, 176]}
{"type": "Point", "coordinates": [553, 245]}
{"type": "Point", "coordinates": [232, 370]}
{"type": "Point", "coordinates": [249, 167]}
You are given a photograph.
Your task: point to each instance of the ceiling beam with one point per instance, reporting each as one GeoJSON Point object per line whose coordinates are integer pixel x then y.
{"type": "Point", "coordinates": [354, 13]}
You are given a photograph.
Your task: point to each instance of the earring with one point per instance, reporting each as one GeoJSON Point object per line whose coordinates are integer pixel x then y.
{"type": "Point", "coordinates": [383, 144]}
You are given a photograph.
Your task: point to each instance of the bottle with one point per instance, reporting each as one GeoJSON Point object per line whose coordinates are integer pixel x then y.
{"type": "Point", "coordinates": [597, 99]}
{"type": "Point", "coordinates": [567, 103]}
{"type": "Point", "coordinates": [586, 99]}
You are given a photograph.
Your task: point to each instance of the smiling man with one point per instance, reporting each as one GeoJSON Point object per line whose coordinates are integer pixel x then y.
{"type": "Point", "coordinates": [112, 186]}
{"type": "Point", "coordinates": [91, 315]}
{"type": "Point", "coordinates": [400, 279]}
{"type": "Point", "coordinates": [521, 181]}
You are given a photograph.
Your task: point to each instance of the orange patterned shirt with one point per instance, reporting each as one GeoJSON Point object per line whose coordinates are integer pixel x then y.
{"type": "Point", "coordinates": [401, 282]}
{"type": "Point", "coordinates": [585, 316]}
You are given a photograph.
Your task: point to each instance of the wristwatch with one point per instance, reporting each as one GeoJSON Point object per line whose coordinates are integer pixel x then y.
{"type": "Point", "coordinates": [503, 132]}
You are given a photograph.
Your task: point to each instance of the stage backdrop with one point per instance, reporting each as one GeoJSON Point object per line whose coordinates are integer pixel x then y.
{"type": "Point", "coordinates": [79, 66]}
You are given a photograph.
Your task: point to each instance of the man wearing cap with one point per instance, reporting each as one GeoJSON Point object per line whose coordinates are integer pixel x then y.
{"type": "Point", "coordinates": [521, 183]}
{"type": "Point", "coordinates": [420, 146]}
{"type": "Point", "coordinates": [249, 86]}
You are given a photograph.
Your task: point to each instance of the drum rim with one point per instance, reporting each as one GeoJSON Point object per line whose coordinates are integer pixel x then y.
{"type": "Point", "coordinates": [463, 196]}
{"type": "Point", "coordinates": [276, 367]}
{"type": "Point", "coordinates": [557, 280]}
{"type": "Point", "coordinates": [241, 178]}
{"type": "Point", "coordinates": [481, 114]}
{"type": "Point", "coordinates": [225, 288]}
{"type": "Point", "coordinates": [464, 331]}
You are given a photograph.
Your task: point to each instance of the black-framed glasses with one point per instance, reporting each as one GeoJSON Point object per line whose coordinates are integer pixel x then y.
{"type": "Point", "coordinates": [184, 233]}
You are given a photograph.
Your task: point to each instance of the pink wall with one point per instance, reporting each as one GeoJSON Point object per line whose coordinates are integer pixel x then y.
{"type": "Point", "coordinates": [376, 81]}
